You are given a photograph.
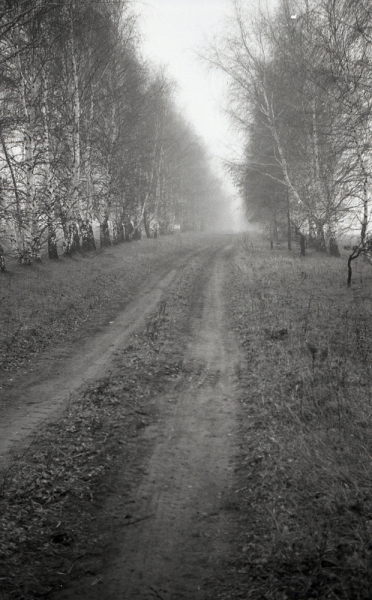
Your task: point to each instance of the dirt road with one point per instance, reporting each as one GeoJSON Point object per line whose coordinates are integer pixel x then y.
{"type": "Point", "coordinates": [29, 404]}
{"type": "Point", "coordinates": [64, 371]}
{"type": "Point", "coordinates": [186, 445]}
{"type": "Point", "coordinates": [174, 551]}
{"type": "Point", "coordinates": [173, 527]}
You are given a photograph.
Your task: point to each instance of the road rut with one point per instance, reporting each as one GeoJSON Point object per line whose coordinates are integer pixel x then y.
{"type": "Point", "coordinates": [65, 371]}
{"type": "Point", "coordinates": [181, 527]}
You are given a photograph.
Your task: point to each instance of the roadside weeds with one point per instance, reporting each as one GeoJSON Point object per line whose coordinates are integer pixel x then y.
{"type": "Point", "coordinates": [302, 503]}
{"type": "Point", "coordinates": [52, 302]}
{"type": "Point", "coordinates": [303, 482]}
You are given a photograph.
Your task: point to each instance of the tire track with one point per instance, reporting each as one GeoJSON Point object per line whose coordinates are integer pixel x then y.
{"type": "Point", "coordinates": [181, 529]}
{"type": "Point", "coordinates": [64, 372]}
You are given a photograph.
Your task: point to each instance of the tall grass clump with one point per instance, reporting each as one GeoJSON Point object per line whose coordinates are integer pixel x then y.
{"type": "Point", "coordinates": [306, 444]}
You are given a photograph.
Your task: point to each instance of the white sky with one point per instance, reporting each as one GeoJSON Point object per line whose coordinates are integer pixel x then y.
{"type": "Point", "coordinates": [173, 30]}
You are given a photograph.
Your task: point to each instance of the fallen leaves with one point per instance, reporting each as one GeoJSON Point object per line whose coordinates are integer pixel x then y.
{"type": "Point", "coordinates": [303, 476]}
{"type": "Point", "coordinates": [63, 470]}
{"type": "Point", "coordinates": [52, 495]}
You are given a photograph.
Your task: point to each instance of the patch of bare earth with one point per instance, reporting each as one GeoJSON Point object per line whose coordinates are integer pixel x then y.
{"type": "Point", "coordinates": [173, 529]}
{"type": "Point", "coordinates": [61, 324]}
{"type": "Point", "coordinates": [227, 453]}
{"type": "Point", "coordinates": [127, 493]}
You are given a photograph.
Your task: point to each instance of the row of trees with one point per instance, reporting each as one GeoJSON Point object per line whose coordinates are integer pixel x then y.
{"type": "Point", "coordinates": [89, 134]}
{"type": "Point", "coordinates": [301, 93]}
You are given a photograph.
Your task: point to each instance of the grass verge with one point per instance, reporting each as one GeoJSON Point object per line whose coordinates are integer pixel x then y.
{"type": "Point", "coordinates": [50, 303]}
{"type": "Point", "coordinates": [304, 488]}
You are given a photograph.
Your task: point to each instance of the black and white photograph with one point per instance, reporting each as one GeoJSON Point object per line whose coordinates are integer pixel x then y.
{"type": "Point", "coordinates": [185, 300]}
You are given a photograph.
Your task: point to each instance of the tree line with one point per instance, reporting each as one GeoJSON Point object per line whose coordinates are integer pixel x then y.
{"type": "Point", "coordinates": [301, 94]}
{"type": "Point", "coordinates": [89, 133]}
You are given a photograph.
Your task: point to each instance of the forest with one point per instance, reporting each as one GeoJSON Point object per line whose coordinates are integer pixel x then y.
{"type": "Point", "coordinates": [300, 95]}
{"type": "Point", "coordinates": [93, 147]}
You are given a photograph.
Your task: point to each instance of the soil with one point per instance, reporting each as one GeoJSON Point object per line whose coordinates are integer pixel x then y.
{"type": "Point", "coordinates": [202, 430]}
{"type": "Point", "coordinates": [64, 370]}
{"type": "Point", "coordinates": [164, 519]}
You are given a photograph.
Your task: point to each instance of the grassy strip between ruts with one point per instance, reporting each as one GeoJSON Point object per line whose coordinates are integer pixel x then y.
{"type": "Point", "coordinates": [50, 302]}
{"type": "Point", "coordinates": [51, 497]}
{"type": "Point", "coordinates": [304, 486]}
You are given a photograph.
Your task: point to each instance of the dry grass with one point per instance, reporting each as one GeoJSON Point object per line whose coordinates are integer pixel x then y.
{"type": "Point", "coordinates": [52, 495]}
{"type": "Point", "coordinates": [306, 442]}
{"type": "Point", "coordinates": [303, 486]}
{"type": "Point", "coordinates": [49, 303]}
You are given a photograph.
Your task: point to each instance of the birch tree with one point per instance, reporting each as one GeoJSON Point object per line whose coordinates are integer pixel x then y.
{"type": "Point", "coordinates": [89, 133]}
{"type": "Point", "coordinates": [25, 44]}
{"type": "Point", "coordinates": [283, 78]}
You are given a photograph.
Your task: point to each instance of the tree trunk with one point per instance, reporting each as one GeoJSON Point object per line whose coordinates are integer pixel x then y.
{"type": "Point", "coordinates": [52, 241]}
{"type": "Point", "coordinates": [302, 244]}
{"type": "Point", "coordinates": [104, 233]}
{"type": "Point", "coordinates": [365, 188]}
{"type": "Point", "coordinates": [87, 236]}
{"type": "Point", "coordinates": [76, 114]}
{"type": "Point", "coordinates": [365, 209]}
{"type": "Point", "coordinates": [49, 201]}
{"type": "Point", "coordinates": [29, 94]}
{"type": "Point", "coordinates": [316, 160]}
{"type": "Point", "coordinates": [146, 224]}
{"type": "Point", "coordinates": [20, 241]}
{"type": "Point", "coordinates": [289, 231]}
